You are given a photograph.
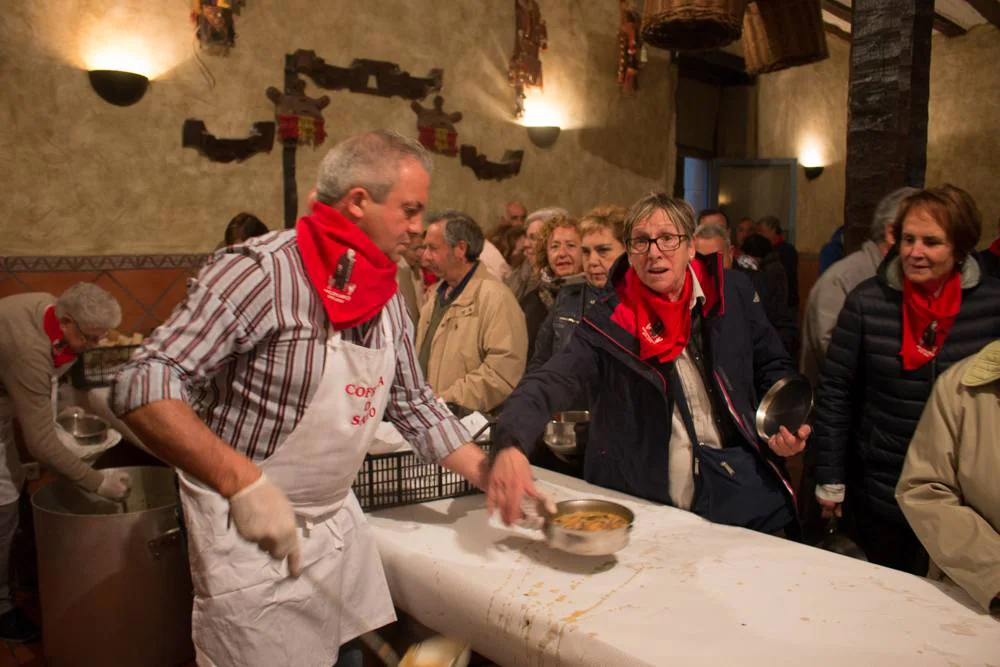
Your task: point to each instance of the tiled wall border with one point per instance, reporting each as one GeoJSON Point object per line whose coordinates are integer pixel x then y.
{"type": "Point", "coordinates": [100, 262]}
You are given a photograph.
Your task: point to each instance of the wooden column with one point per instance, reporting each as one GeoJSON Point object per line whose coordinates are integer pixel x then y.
{"type": "Point", "coordinates": [887, 115]}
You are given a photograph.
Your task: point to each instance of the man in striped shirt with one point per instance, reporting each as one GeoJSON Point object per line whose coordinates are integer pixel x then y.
{"type": "Point", "coordinates": [223, 387]}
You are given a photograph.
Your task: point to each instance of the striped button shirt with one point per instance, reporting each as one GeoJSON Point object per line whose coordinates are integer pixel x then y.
{"type": "Point", "coordinates": [247, 347]}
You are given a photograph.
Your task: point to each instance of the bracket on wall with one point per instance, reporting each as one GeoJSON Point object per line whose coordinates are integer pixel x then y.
{"type": "Point", "coordinates": [531, 37]}
{"type": "Point", "coordinates": [508, 166]}
{"type": "Point", "coordinates": [390, 80]}
{"type": "Point", "coordinates": [436, 127]}
{"type": "Point", "coordinates": [195, 135]}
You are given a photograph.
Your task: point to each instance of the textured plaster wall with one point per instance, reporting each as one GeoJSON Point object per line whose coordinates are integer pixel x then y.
{"type": "Point", "coordinates": [808, 106]}
{"type": "Point", "coordinates": [83, 177]}
{"type": "Point", "coordinates": [805, 108]}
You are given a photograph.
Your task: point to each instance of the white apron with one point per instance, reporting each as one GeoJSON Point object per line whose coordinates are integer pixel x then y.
{"type": "Point", "coordinates": [247, 611]}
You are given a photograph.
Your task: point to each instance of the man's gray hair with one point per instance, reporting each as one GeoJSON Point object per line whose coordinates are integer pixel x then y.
{"type": "Point", "coordinates": [677, 210]}
{"type": "Point", "coordinates": [713, 230]}
{"type": "Point", "coordinates": [545, 214]}
{"type": "Point", "coordinates": [885, 212]}
{"type": "Point", "coordinates": [370, 161]}
{"type": "Point", "coordinates": [459, 226]}
{"type": "Point", "coordinates": [771, 222]}
{"type": "Point", "coordinates": [89, 306]}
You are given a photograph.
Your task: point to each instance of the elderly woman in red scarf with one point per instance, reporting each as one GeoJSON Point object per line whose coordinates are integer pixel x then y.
{"type": "Point", "coordinates": [675, 358]}
{"type": "Point", "coordinates": [928, 307]}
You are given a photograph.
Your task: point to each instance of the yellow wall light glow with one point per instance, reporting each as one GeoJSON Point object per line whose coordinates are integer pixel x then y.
{"type": "Point", "coordinates": [541, 112]}
{"type": "Point", "coordinates": [811, 153]}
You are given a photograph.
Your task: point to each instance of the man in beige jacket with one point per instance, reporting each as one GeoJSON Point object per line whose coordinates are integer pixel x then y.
{"type": "Point", "coordinates": [949, 489]}
{"type": "Point", "coordinates": [472, 339]}
{"type": "Point", "coordinates": [40, 338]}
{"type": "Point", "coordinates": [827, 297]}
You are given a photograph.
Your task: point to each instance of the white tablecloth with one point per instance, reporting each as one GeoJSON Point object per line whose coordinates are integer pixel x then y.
{"type": "Point", "coordinates": [684, 592]}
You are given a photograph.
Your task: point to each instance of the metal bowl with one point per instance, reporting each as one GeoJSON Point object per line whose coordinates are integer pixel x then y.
{"type": "Point", "coordinates": [561, 433]}
{"type": "Point", "coordinates": [585, 542]}
{"type": "Point", "coordinates": [87, 429]}
{"type": "Point", "coordinates": [787, 403]}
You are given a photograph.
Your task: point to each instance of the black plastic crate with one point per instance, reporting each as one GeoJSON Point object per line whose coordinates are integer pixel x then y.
{"type": "Point", "coordinates": [97, 367]}
{"type": "Point", "coordinates": [402, 478]}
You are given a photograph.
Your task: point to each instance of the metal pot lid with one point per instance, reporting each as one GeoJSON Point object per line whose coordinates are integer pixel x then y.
{"type": "Point", "coordinates": [787, 403]}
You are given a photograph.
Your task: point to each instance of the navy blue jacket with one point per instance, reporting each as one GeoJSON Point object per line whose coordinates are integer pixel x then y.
{"type": "Point", "coordinates": [867, 406]}
{"type": "Point", "coordinates": [631, 405]}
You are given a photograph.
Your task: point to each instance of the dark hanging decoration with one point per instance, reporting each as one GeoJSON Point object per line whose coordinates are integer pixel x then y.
{"type": "Point", "coordinates": [213, 20]}
{"type": "Point", "coordinates": [508, 166]}
{"type": "Point", "coordinates": [629, 47]}
{"type": "Point", "coordinates": [390, 80]}
{"type": "Point", "coordinates": [436, 128]}
{"type": "Point", "coordinates": [195, 135]}
{"type": "Point", "coordinates": [300, 117]}
{"type": "Point", "coordinates": [530, 39]}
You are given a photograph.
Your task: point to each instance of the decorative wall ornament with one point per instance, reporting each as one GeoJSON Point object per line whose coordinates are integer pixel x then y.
{"type": "Point", "coordinates": [436, 128]}
{"type": "Point", "coordinates": [195, 135]}
{"type": "Point", "coordinates": [213, 20]}
{"type": "Point", "coordinates": [629, 47]}
{"type": "Point", "coordinates": [508, 166]}
{"type": "Point", "coordinates": [390, 80]}
{"type": "Point", "coordinates": [530, 39]}
{"type": "Point", "coordinates": [300, 117]}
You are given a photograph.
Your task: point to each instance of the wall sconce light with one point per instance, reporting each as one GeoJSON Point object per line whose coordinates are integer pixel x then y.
{"type": "Point", "coordinates": [544, 136]}
{"type": "Point", "coordinates": [812, 173]}
{"type": "Point", "coordinates": [119, 88]}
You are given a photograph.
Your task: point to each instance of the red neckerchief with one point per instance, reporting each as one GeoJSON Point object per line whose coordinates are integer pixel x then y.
{"type": "Point", "coordinates": [62, 353]}
{"type": "Point", "coordinates": [663, 327]}
{"type": "Point", "coordinates": [995, 247]}
{"type": "Point", "coordinates": [428, 277]}
{"type": "Point", "coordinates": [338, 257]}
{"type": "Point", "coordinates": [927, 320]}
{"type": "Point", "coordinates": [778, 240]}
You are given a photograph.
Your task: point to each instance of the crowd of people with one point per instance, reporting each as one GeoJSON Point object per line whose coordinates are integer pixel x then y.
{"type": "Point", "coordinates": [265, 386]}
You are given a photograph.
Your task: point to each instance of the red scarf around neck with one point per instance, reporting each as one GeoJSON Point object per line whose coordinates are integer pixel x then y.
{"type": "Point", "coordinates": [663, 327]}
{"type": "Point", "coordinates": [995, 247]}
{"type": "Point", "coordinates": [927, 320]}
{"type": "Point", "coordinates": [338, 258]}
{"type": "Point", "coordinates": [62, 353]}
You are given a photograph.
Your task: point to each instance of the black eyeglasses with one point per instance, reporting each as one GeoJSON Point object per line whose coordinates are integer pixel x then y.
{"type": "Point", "coordinates": [666, 243]}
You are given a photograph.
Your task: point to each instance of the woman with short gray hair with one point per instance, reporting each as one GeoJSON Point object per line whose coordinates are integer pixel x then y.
{"type": "Point", "coordinates": [677, 354]}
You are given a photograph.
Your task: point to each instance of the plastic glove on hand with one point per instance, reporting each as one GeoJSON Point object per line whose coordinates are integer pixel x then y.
{"type": "Point", "coordinates": [115, 486]}
{"type": "Point", "coordinates": [263, 515]}
{"type": "Point", "coordinates": [535, 510]}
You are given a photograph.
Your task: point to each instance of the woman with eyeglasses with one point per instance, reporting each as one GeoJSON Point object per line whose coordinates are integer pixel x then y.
{"type": "Point", "coordinates": [928, 307]}
{"type": "Point", "coordinates": [675, 358]}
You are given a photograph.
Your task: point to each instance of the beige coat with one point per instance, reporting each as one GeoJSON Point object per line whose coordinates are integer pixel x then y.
{"type": "Point", "coordinates": [950, 486]}
{"type": "Point", "coordinates": [826, 300]}
{"type": "Point", "coordinates": [480, 348]}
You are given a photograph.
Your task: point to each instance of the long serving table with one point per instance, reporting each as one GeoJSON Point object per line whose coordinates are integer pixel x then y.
{"type": "Point", "coordinates": [684, 592]}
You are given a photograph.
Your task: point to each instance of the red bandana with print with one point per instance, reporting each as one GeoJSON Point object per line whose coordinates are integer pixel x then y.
{"type": "Point", "coordinates": [62, 353]}
{"type": "Point", "coordinates": [338, 259]}
{"type": "Point", "coordinates": [927, 320]}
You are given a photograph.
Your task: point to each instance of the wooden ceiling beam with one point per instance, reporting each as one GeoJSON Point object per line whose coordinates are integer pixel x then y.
{"type": "Point", "coordinates": [837, 31]}
{"type": "Point", "coordinates": [990, 9]}
{"type": "Point", "coordinates": [942, 24]}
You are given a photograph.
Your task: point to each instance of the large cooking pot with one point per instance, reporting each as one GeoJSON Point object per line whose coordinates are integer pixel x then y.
{"type": "Point", "coordinates": [114, 583]}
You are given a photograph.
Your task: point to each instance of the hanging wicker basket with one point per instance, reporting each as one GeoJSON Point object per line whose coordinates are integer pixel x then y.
{"type": "Point", "coordinates": [689, 25]}
{"type": "Point", "coordinates": [778, 34]}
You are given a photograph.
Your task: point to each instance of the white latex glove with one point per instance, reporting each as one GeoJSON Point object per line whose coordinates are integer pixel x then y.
{"type": "Point", "coordinates": [535, 510]}
{"type": "Point", "coordinates": [264, 516]}
{"type": "Point", "coordinates": [116, 485]}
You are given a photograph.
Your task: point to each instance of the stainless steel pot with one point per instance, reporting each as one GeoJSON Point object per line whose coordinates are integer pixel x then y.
{"type": "Point", "coordinates": [87, 429]}
{"type": "Point", "coordinates": [588, 543]}
{"type": "Point", "coordinates": [115, 588]}
{"type": "Point", "coordinates": [561, 433]}
{"type": "Point", "coordinates": [787, 403]}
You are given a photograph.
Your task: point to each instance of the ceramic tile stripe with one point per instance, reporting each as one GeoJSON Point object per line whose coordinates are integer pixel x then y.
{"type": "Point", "coordinates": [100, 262]}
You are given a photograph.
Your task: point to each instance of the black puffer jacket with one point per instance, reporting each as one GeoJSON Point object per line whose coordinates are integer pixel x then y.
{"type": "Point", "coordinates": [571, 303]}
{"type": "Point", "coordinates": [867, 406]}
